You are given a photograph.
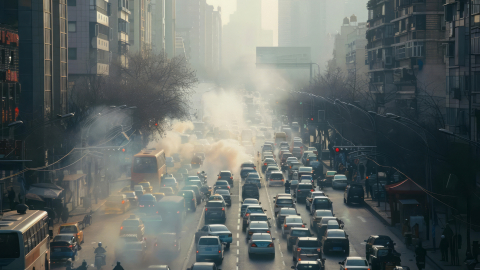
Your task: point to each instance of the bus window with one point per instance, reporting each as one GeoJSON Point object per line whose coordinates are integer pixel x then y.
{"type": "Point", "coordinates": [26, 238]}
{"type": "Point", "coordinates": [9, 246]}
{"type": "Point", "coordinates": [145, 165]}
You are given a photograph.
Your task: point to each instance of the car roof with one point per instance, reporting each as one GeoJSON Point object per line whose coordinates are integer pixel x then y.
{"type": "Point", "coordinates": [257, 214]}
{"type": "Point", "coordinates": [225, 172]}
{"type": "Point", "coordinates": [299, 229]}
{"type": "Point", "coordinates": [355, 258]}
{"type": "Point", "coordinates": [254, 206]}
{"type": "Point", "coordinates": [209, 237]}
{"type": "Point", "coordinates": [283, 194]}
{"type": "Point", "coordinates": [308, 239]}
{"type": "Point", "coordinates": [307, 262]}
{"type": "Point", "coordinates": [65, 234]}
{"type": "Point", "coordinates": [336, 230]}
{"type": "Point", "coordinates": [217, 225]}
{"type": "Point", "coordinates": [332, 222]}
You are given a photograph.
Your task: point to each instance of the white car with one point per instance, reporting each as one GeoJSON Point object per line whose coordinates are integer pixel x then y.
{"type": "Point", "coordinates": [261, 243]}
{"type": "Point", "coordinates": [339, 181]}
{"type": "Point", "coordinates": [357, 263]}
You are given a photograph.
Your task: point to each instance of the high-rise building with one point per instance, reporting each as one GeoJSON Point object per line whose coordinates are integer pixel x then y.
{"type": "Point", "coordinates": [158, 25]}
{"type": "Point", "coordinates": [302, 24]}
{"type": "Point", "coordinates": [170, 25]}
{"type": "Point", "coordinates": [217, 40]}
{"type": "Point", "coordinates": [340, 49]}
{"type": "Point", "coordinates": [140, 34]}
{"type": "Point", "coordinates": [39, 65]}
{"type": "Point", "coordinates": [119, 22]}
{"type": "Point", "coordinates": [89, 38]}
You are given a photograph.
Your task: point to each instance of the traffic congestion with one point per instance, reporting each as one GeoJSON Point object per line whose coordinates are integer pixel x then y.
{"type": "Point", "coordinates": [274, 206]}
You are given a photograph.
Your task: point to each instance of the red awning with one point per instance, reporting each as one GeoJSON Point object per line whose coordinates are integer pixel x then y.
{"type": "Point", "coordinates": [404, 187]}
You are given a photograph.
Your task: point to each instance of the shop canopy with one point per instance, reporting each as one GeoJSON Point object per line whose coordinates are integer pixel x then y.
{"type": "Point", "coordinates": [44, 191]}
{"type": "Point", "coordinates": [405, 187]}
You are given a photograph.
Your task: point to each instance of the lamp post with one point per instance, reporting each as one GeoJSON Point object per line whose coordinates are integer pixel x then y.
{"type": "Point", "coordinates": [476, 144]}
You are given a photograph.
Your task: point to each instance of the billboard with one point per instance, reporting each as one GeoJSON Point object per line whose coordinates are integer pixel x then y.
{"type": "Point", "coordinates": [283, 57]}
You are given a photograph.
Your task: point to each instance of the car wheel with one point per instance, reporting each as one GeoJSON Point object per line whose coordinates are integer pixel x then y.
{"type": "Point", "coordinates": [273, 256]}
{"type": "Point", "coordinates": [344, 201]}
{"type": "Point", "coordinates": [227, 246]}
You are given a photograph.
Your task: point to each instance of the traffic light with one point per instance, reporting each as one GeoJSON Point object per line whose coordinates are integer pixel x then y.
{"type": "Point", "coordinates": [337, 149]}
{"type": "Point", "coordinates": [123, 150]}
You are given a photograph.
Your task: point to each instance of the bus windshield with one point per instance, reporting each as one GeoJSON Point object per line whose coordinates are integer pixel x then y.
{"type": "Point", "coordinates": [9, 245]}
{"type": "Point", "coordinates": [145, 165]}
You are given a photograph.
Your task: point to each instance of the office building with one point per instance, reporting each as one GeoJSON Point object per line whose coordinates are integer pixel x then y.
{"type": "Point", "coordinates": [120, 25]}
{"type": "Point", "coordinates": [140, 21]}
{"type": "Point", "coordinates": [158, 26]}
{"type": "Point", "coordinates": [170, 26]}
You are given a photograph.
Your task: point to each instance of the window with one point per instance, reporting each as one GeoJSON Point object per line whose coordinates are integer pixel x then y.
{"type": "Point", "coordinates": [12, 58]}
{"type": "Point", "coordinates": [72, 3]}
{"type": "Point", "coordinates": [72, 27]}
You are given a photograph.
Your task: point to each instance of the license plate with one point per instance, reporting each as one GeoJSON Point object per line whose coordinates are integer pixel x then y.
{"type": "Point", "coordinates": [208, 249]}
{"type": "Point", "coordinates": [337, 248]}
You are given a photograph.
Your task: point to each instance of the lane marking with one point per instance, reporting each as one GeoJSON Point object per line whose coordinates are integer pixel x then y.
{"type": "Point", "coordinates": [238, 243]}
{"type": "Point", "coordinates": [185, 262]}
{"type": "Point", "coordinates": [237, 261]}
{"type": "Point", "coordinates": [362, 219]}
{"type": "Point", "coordinates": [238, 227]}
{"type": "Point", "coordinates": [238, 236]}
{"type": "Point", "coordinates": [238, 251]}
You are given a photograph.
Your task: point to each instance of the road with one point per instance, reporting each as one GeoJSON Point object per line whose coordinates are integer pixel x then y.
{"type": "Point", "coordinates": [359, 224]}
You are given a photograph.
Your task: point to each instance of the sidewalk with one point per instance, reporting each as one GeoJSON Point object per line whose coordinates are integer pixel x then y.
{"type": "Point", "coordinates": [433, 256]}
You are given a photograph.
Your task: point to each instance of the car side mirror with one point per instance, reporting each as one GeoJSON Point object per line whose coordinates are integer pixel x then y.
{"type": "Point", "coordinates": [259, 202]}
{"type": "Point", "coordinates": [365, 241]}
{"type": "Point", "coordinates": [340, 262]}
{"type": "Point", "coordinates": [273, 239]}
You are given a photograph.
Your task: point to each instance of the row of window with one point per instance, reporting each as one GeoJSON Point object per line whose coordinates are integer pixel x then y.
{"type": "Point", "coordinates": [35, 235]}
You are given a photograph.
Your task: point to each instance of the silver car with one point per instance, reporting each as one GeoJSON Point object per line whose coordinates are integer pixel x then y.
{"type": "Point", "coordinates": [339, 181]}
{"type": "Point", "coordinates": [257, 227]}
{"type": "Point", "coordinates": [291, 222]}
{"type": "Point", "coordinates": [209, 248]}
{"type": "Point", "coordinates": [357, 263]}
{"type": "Point", "coordinates": [308, 200]}
{"type": "Point", "coordinates": [261, 243]}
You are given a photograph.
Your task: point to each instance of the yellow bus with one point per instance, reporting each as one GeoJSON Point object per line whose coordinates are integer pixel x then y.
{"type": "Point", "coordinates": [149, 165]}
{"type": "Point", "coordinates": [24, 240]}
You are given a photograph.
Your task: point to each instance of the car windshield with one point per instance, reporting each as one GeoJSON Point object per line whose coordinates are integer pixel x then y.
{"type": "Point", "coordinates": [258, 218]}
{"type": "Point", "coordinates": [129, 195]}
{"type": "Point", "coordinates": [340, 177]}
{"type": "Point", "coordinates": [225, 174]}
{"type": "Point", "coordinates": [309, 251]}
{"type": "Point", "coordinates": [62, 238]}
{"type": "Point", "coordinates": [309, 177]}
{"type": "Point", "coordinates": [352, 262]}
{"type": "Point", "coordinates": [68, 229]}
{"type": "Point", "coordinates": [273, 169]}
{"type": "Point", "coordinates": [382, 241]}
{"type": "Point", "coordinates": [305, 186]}
{"type": "Point", "coordinates": [218, 228]}
{"type": "Point", "coordinates": [322, 203]}
{"type": "Point", "coordinates": [253, 176]}
{"type": "Point", "coordinates": [255, 210]}
{"type": "Point", "coordinates": [249, 201]}
{"type": "Point", "coordinates": [261, 237]}
{"type": "Point", "coordinates": [10, 245]}
{"type": "Point", "coordinates": [214, 204]}
{"type": "Point", "coordinates": [223, 192]}
{"type": "Point", "coordinates": [382, 252]}
{"type": "Point", "coordinates": [326, 219]}
{"type": "Point", "coordinates": [208, 242]}
{"type": "Point", "coordinates": [300, 233]}
{"type": "Point", "coordinates": [147, 198]}
{"type": "Point", "coordinates": [284, 201]}
{"type": "Point", "coordinates": [193, 178]}
{"type": "Point", "coordinates": [308, 243]}
{"type": "Point", "coordinates": [259, 225]}
{"type": "Point", "coordinates": [294, 182]}
{"type": "Point", "coordinates": [294, 220]}
{"type": "Point", "coordinates": [221, 183]}
{"type": "Point", "coordinates": [335, 233]}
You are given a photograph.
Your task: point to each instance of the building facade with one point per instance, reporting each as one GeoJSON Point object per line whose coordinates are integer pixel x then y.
{"type": "Point", "coordinates": [355, 52]}
{"type": "Point", "coordinates": [170, 27]}
{"type": "Point", "coordinates": [120, 25]}
{"type": "Point", "coordinates": [140, 35]}
{"type": "Point", "coordinates": [158, 26]}
{"type": "Point", "coordinates": [340, 49]}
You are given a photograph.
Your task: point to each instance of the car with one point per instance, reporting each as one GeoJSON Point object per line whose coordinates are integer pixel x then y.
{"type": "Point", "coordinates": [261, 243]}
{"type": "Point", "coordinates": [72, 228]}
{"type": "Point", "coordinates": [335, 240]}
{"type": "Point", "coordinates": [259, 217]}
{"type": "Point", "coordinates": [314, 149]}
{"type": "Point", "coordinates": [253, 178]}
{"type": "Point", "coordinates": [209, 248]}
{"type": "Point", "coordinates": [305, 156]}
{"type": "Point", "coordinates": [117, 204]}
{"type": "Point", "coordinates": [357, 263]}
{"type": "Point", "coordinates": [302, 190]}
{"type": "Point", "coordinates": [168, 191]}
{"type": "Point", "coordinates": [321, 203]}
{"type": "Point", "coordinates": [310, 157]}
{"type": "Point", "coordinates": [226, 196]}
{"type": "Point", "coordinates": [246, 203]}
{"type": "Point", "coordinates": [245, 171]}
{"type": "Point", "coordinates": [220, 230]}
{"type": "Point", "coordinates": [334, 225]}
{"type": "Point", "coordinates": [354, 193]}
{"type": "Point", "coordinates": [203, 266]}
{"type": "Point", "coordinates": [380, 256]}
{"type": "Point", "coordinates": [158, 195]}
{"type": "Point", "coordinates": [297, 152]}
{"type": "Point", "coordinates": [167, 241]}
{"type": "Point", "coordinates": [147, 188]}
{"type": "Point", "coordinates": [190, 199]}
{"type": "Point", "coordinates": [226, 175]}
{"type": "Point", "coordinates": [329, 177]}
{"type": "Point", "coordinates": [223, 183]}
{"type": "Point", "coordinates": [196, 189]}
{"type": "Point", "coordinates": [268, 162]}
{"type": "Point", "coordinates": [131, 197]}
{"type": "Point", "coordinates": [284, 212]}
{"type": "Point", "coordinates": [146, 203]}
{"type": "Point", "coordinates": [293, 184]}
{"type": "Point", "coordinates": [339, 181]}
{"type": "Point", "coordinates": [306, 179]}
{"type": "Point", "coordinates": [304, 244]}
{"type": "Point", "coordinates": [322, 226]}
{"type": "Point", "coordinates": [250, 210]}
{"type": "Point", "coordinates": [196, 182]}
{"type": "Point", "coordinates": [192, 178]}
{"type": "Point", "coordinates": [268, 155]}
{"type": "Point", "coordinates": [132, 225]}
{"type": "Point", "coordinates": [269, 170]}
{"type": "Point", "coordinates": [293, 168]}
{"type": "Point", "coordinates": [295, 233]}
{"type": "Point", "coordinates": [283, 200]}
{"type": "Point", "coordinates": [291, 222]}
{"type": "Point", "coordinates": [309, 265]}
{"type": "Point", "coordinates": [131, 248]}
{"type": "Point", "coordinates": [183, 173]}
{"type": "Point", "coordinates": [310, 196]}
{"type": "Point", "coordinates": [63, 247]}
{"type": "Point", "coordinates": [248, 164]}
{"type": "Point", "coordinates": [170, 182]}
{"type": "Point", "coordinates": [285, 156]}
{"type": "Point", "coordinates": [215, 197]}
{"type": "Point", "coordinates": [215, 212]}
{"type": "Point", "coordinates": [250, 191]}
{"type": "Point", "coordinates": [216, 188]}
{"type": "Point", "coordinates": [290, 160]}
{"type": "Point", "coordinates": [276, 178]}
{"type": "Point", "coordinates": [375, 240]}
{"type": "Point", "coordinates": [317, 216]}
{"type": "Point", "coordinates": [257, 227]}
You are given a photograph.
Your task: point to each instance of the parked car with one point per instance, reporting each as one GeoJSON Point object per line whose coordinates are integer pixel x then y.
{"type": "Point", "coordinates": [63, 247]}
{"type": "Point", "coordinates": [339, 181]}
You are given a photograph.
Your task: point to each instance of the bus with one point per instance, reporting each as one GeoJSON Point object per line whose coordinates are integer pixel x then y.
{"type": "Point", "coordinates": [149, 165]}
{"type": "Point", "coordinates": [24, 240]}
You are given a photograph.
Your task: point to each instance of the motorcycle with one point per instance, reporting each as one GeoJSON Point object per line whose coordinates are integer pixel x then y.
{"type": "Point", "coordinates": [203, 177]}
{"type": "Point", "coordinates": [100, 259]}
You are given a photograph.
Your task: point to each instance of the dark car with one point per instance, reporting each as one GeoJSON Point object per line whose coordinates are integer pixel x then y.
{"type": "Point", "coordinates": [195, 189]}
{"type": "Point", "coordinates": [257, 209]}
{"type": "Point", "coordinates": [321, 203]}
{"type": "Point", "coordinates": [296, 233]}
{"type": "Point", "coordinates": [63, 247]}
{"type": "Point", "coordinates": [297, 152]}
{"type": "Point", "coordinates": [302, 191]}
{"type": "Point", "coordinates": [146, 203]}
{"type": "Point", "coordinates": [268, 162]}
{"type": "Point", "coordinates": [245, 171]}
{"type": "Point", "coordinates": [250, 191]}
{"type": "Point", "coordinates": [375, 240]}
{"type": "Point", "coordinates": [380, 256]}
{"type": "Point", "coordinates": [322, 225]}
{"type": "Point", "coordinates": [226, 196]}
{"type": "Point", "coordinates": [317, 216]}
{"type": "Point", "coordinates": [215, 211]}
{"type": "Point", "coordinates": [305, 243]}
{"type": "Point", "coordinates": [335, 240]}
{"type": "Point", "coordinates": [226, 175]}
{"type": "Point", "coordinates": [353, 194]}
{"type": "Point", "coordinates": [190, 199]}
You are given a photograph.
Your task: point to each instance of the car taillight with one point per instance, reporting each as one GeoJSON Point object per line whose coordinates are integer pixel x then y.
{"type": "Point", "coordinates": [193, 199]}
{"type": "Point", "coordinates": [285, 225]}
{"type": "Point", "coordinates": [268, 231]}
{"type": "Point", "coordinates": [140, 206]}
{"type": "Point", "coordinates": [298, 249]}
{"type": "Point", "coordinates": [254, 245]}
{"type": "Point", "coordinates": [308, 159]}
{"type": "Point", "coordinates": [283, 180]}
{"type": "Point", "coordinates": [298, 190]}
{"type": "Point", "coordinates": [311, 190]}
{"type": "Point", "coordinates": [219, 251]}
{"type": "Point", "coordinates": [71, 246]}
{"type": "Point", "coordinates": [250, 232]}
{"type": "Point", "coordinates": [219, 177]}
{"type": "Point", "coordinates": [264, 164]}
{"type": "Point", "coordinates": [247, 214]}
{"type": "Point", "coordinates": [299, 259]}
{"type": "Point", "coordinates": [318, 249]}
{"type": "Point", "coordinates": [123, 201]}
{"type": "Point", "coordinates": [231, 177]}
{"type": "Point", "coordinates": [270, 245]}
{"type": "Point", "coordinates": [121, 228]}
{"type": "Point", "coordinates": [197, 251]}
{"type": "Point", "coordinates": [178, 212]}
{"type": "Point", "coordinates": [303, 226]}
{"type": "Point", "coordinates": [206, 209]}
{"type": "Point", "coordinates": [223, 208]}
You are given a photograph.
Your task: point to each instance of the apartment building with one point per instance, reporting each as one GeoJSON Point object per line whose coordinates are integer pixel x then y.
{"type": "Point", "coordinates": [140, 22]}
{"type": "Point", "coordinates": [158, 25]}
{"type": "Point", "coordinates": [405, 54]}
{"type": "Point", "coordinates": [355, 51]}
{"type": "Point", "coordinates": [340, 49]}
{"type": "Point", "coordinates": [119, 22]}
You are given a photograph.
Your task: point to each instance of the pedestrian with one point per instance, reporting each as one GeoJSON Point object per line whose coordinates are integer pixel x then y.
{"type": "Point", "coordinates": [368, 187]}
{"type": "Point", "coordinates": [65, 214]}
{"type": "Point", "coordinates": [118, 267]}
{"type": "Point", "coordinates": [11, 198]}
{"type": "Point", "coordinates": [444, 248]}
{"type": "Point", "coordinates": [420, 254]}
{"type": "Point", "coordinates": [405, 227]}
